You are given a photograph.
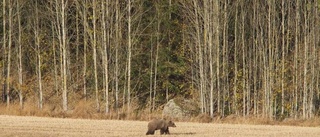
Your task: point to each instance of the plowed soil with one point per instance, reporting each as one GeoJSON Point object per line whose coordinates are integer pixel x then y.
{"type": "Point", "coordinates": [25, 126]}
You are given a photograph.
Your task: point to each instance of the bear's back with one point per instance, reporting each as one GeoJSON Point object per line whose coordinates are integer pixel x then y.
{"type": "Point", "coordinates": [156, 124]}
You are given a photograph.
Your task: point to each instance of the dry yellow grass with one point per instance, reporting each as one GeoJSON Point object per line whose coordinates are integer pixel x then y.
{"type": "Point", "coordinates": [27, 126]}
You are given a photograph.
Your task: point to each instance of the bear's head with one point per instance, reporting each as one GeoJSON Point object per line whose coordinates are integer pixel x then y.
{"type": "Point", "coordinates": [171, 124]}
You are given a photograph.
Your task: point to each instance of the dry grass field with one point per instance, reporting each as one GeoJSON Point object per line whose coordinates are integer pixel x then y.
{"type": "Point", "coordinates": [26, 126]}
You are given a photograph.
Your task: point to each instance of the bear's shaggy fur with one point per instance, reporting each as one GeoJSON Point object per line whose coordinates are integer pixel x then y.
{"type": "Point", "coordinates": [161, 124]}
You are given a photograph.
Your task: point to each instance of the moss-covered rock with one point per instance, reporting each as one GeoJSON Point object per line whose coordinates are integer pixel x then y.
{"type": "Point", "coordinates": [180, 108]}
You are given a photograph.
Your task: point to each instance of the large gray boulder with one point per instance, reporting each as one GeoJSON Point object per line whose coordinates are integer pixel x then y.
{"type": "Point", "coordinates": [180, 108]}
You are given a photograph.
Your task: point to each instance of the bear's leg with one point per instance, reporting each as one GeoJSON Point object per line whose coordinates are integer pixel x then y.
{"type": "Point", "coordinates": [162, 131]}
{"type": "Point", "coordinates": [150, 132]}
{"type": "Point", "coordinates": [167, 131]}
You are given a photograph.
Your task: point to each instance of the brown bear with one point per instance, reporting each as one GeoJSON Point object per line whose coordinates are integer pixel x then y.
{"type": "Point", "coordinates": [161, 124]}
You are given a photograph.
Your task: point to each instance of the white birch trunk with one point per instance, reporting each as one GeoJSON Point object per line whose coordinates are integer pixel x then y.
{"type": "Point", "coordinates": [85, 40]}
{"type": "Point", "coordinates": [105, 54]}
{"type": "Point", "coordinates": [94, 44]}
{"type": "Point", "coordinates": [20, 56]}
{"type": "Point", "coordinates": [305, 68]}
{"type": "Point", "coordinates": [64, 54]}
{"type": "Point", "coordinates": [195, 2]}
{"type": "Point", "coordinates": [235, 85]}
{"type": "Point", "coordinates": [297, 30]}
{"type": "Point", "coordinates": [9, 53]}
{"type": "Point", "coordinates": [129, 57]}
{"type": "Point", "coordinates": [156, 59]}
{"type": "Point", "coordinates": [117, 26]}
{"type": "Point", "coordinates": [4, 44]}
{"type": "Point", "coordinates": [37, 43]}
{"type": "Point", "coordinates": [283, 59]}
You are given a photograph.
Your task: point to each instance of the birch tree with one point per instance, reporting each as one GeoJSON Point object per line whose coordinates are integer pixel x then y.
{"type": "Point", "coordinates": [37, 43]}
{"type": "Point", "coordinates": [210, 40]}
{"type": "Point", "coordinates": [235, 85]}
{"type": "Point", "coordinates": [283, 55]}
{"type": "Point", "coordinates": [157, 55]}
{"type": "Point", "coordinates": [117, 45]}
{"type": "Point", "coordinates": [85, 40]}
{"type": "Point", "coordinates": [4, 46]}
{"type": "Point", "coordinates": [64, 54]}
{"type": "Point", "coordinates": [244, 71]}
{"type": "Point", "coordinates": [20, 54]}
{"type": "Point", "coordinates": [129, 57]}
{"type": "Point", "coordinates": [200, 56]}
{"type": "Point", "coordinates": [94, 44]}
{"type": "Point", "coordinates": [305, 65]}
{"type": "Point", "coordinates": [9, 51]}
{"type": "Point", "coordinates": [105, 22]}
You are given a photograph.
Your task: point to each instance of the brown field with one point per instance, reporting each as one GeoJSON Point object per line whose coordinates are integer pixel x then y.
{"type": "Point", "coordinates": [27, 126]}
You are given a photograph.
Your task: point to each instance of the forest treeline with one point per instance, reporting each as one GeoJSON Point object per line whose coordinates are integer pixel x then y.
{"type": "Point", "coordinates": [234, 57]}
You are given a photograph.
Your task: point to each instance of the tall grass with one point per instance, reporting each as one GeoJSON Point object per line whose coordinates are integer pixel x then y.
{"type": "Point", "coordinates": [86, 110]}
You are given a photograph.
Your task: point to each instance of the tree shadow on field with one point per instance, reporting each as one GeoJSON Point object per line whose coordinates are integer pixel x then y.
{"type": "Point", "coordinates": [187, 133]}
